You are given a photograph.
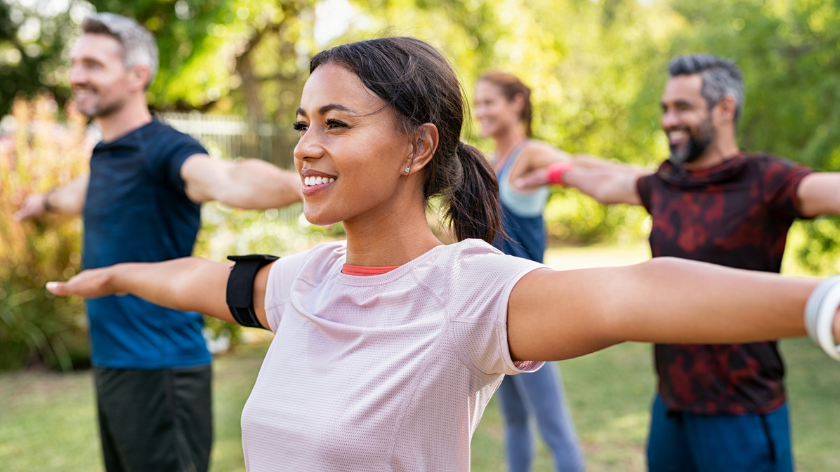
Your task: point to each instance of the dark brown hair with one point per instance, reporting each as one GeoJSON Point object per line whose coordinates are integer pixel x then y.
{"type": "Point", "coordinates": [511, 86]}
{"type": "Point", "coordinates": [419, 83]}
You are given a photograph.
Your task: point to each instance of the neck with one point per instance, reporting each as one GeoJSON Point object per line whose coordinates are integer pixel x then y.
{"type": "Point", "coordinates": [507, 139]}
{"type": "Point", "coordinates": [132, 115]}
{"type": "Point", "coordinates": [717, 152]}
{"type": "Point", "coordinates": [389, 236]}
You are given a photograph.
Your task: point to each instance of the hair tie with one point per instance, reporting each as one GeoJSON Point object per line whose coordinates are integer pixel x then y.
{"type": "Point", "coordinates": [458, 170]}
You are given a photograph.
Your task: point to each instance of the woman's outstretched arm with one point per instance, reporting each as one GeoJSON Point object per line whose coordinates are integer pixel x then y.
{"type": "Point", "coordinates": [188, 284]}
{"type": "Point", "coordinates": [559, 315]}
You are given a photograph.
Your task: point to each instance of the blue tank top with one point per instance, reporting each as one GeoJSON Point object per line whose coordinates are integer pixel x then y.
{"type": "Point", "coordinates": [522, 215]}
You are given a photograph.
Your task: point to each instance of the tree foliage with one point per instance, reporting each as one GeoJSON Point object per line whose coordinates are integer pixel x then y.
{"type": "Point", "coordinates": [596, 68]}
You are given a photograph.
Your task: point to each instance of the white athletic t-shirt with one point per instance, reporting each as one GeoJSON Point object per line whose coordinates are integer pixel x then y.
{"type": "Point", "coordinates": [388, 372]}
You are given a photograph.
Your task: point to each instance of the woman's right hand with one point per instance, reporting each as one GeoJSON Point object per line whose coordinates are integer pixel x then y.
{"type": "Point", "coordinates": [93, 283]}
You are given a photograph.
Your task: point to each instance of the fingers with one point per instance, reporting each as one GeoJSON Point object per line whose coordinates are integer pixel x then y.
{"type": "Point", "coordinates": [23, 213]}
{"type": "Point", "coordinates": [88, 284]}
{"type": "Point", "coordinates": [837, 326]}
{"type": "Point", "coordinates": [33, 206]}
{"type": "Point", "coordinates": [531, 180]}
{"type": "Point", "coordinates": [58, 288]}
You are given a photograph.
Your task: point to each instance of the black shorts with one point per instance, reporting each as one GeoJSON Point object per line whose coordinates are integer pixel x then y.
{"type": "Point", "coordinates": [155, 420]}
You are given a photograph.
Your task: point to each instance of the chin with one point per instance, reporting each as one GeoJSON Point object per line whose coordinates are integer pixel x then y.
{"type": "Point", "coordinates": [88, 111]}
{"type": "Point", "coordinates": [318, 218]}
{"type": "Point", "coordinates": [487, 132]}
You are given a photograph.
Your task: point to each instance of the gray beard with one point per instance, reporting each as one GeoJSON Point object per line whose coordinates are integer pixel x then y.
{"type": "Point", "coordinates": [696, 145]}
{"type": "Point", "coordinates": [102, 110]}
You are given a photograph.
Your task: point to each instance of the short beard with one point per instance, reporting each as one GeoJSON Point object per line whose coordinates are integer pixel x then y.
{"type": "Point", "coordinates": [696, 146]}
{"type": "Point", "coordinates": [100, 111]}
{"type": "Point", "coordinates": [109, 109]}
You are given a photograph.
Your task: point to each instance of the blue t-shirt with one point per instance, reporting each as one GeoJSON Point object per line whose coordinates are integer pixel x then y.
{"type": "Point", "coordinates": [136, 210]}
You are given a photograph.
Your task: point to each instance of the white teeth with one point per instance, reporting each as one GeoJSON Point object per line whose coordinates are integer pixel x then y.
{"type": "Point", "coordinates": [311, 181]}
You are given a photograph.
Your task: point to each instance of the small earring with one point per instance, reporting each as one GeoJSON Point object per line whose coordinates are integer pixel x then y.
{"type": "Point", "coordinates": [407, 170]}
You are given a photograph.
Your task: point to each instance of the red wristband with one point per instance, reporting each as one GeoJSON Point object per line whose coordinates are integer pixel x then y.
{"type": "Point", "coordinates": [555, 172]}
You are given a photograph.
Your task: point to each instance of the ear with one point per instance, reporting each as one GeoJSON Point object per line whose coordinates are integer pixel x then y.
{"type": "Point", "coordinates": [422, 148]}
{"type": "Point", "coordinates": [139, 77]}
{"type": "Point", "coordinates": [519, 102]}
{"type": "Point", "coordinates": [726, 108]}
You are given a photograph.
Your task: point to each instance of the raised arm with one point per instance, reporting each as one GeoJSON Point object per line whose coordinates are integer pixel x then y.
{"type": "Point", "coordinates": [187, 284]}
{"type": "Point", "coordinates": [538, 155]}
{"type": "Point", "coordinates": [606, 181]}
{"type": "Point", "coordinates": [249, 184]}
{"type": "Point", "coordinates": [67, 200]}
{"type": "Point", "coordinates": [608, 184]}
{"type": "Point", "coordinates": [560, 315]}
{"type": "Point", "coordinates": [819, 194]}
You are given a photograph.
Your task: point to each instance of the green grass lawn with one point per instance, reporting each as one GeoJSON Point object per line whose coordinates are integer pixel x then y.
{"type": "Point", "coordinates": [47, 420]}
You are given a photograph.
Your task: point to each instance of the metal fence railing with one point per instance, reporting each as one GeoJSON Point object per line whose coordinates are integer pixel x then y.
{"type": "Point", "coordinates": [233, 136]}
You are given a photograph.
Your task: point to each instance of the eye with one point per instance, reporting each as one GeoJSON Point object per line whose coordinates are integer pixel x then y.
{"type": "Point", "coordinates": [333, 123]}
{"type": "Point", "coordinates": [300, 126]}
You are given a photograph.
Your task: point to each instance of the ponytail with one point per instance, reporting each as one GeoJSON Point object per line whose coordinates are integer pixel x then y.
{"type": "Point", "coordinates": [474, 198]}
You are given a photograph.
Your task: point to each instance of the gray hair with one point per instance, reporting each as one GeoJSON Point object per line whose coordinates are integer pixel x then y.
{"type": "Point", "coordinates": [138, 44]}
{"type": "Point", "coordinates": [720, 78]}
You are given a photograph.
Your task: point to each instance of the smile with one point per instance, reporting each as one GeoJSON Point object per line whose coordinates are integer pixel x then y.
{"type": "Point", "coordinates": [313, 181]}
{"type": "Point", "coordinates": [676, 136]}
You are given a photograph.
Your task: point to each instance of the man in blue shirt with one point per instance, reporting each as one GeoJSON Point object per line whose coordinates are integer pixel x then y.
{"type": "Point", "coordinates": [141, 203]}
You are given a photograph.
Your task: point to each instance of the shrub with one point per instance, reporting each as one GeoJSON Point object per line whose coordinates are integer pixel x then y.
{"type": "Point", "coordinates": [40, 153]}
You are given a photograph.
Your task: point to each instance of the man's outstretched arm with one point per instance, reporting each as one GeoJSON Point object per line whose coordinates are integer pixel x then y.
{"type": "Point", "coordinates": [67, 200]}
{"type": "Point", "coordinates": [249, 184]}
{"type": "Point", "coordinates": [819, 194]}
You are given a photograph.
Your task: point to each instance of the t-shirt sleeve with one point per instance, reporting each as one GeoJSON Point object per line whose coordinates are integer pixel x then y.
{"type": "Point", "coordinates": [644, 188]}
{"type": "Point", "coordinates": [278, 287]}
{"type": "Point", "coordinates": [173, 149]}
{"type": "Point", "coordinates": [780, 179]}
{"type": "Point", "coordinates": [480, 285]}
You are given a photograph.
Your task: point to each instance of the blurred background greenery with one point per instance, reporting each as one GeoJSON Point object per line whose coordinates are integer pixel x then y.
{"type": "Point", "coordinates": [596, 67]}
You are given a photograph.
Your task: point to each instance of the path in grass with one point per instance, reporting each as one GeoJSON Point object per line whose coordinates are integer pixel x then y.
{"type": "Point", "coordinates": [47, 420]}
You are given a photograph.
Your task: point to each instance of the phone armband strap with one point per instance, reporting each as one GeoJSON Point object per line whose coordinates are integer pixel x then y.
{"type": "Point", "coordinates": [240, 287]}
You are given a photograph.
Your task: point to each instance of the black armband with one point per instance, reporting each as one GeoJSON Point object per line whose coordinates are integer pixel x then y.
{"type": "Point", "coordinates": [240, 287]}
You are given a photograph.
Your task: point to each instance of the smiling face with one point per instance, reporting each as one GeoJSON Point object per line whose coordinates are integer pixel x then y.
{"type": "Point", "coordinates": [352, 151]}
{"type": "Point", "coordinates": [494, 111]}
{"type": "Point", "coordinates": [687, 119]}
{"type": "Point", "coordinates": [100, 81]}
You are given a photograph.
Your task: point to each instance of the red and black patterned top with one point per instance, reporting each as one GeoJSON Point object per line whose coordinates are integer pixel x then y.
{"type": "Point", "coordinates": [736, 214]}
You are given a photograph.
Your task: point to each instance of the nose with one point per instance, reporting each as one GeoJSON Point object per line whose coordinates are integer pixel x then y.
{"type": "Point", "coordinates": [77, 75]}
{"type": "Point", "coordinates": [669, 119]}
{"type": "Point", "coordinates": [480, 110]}
{"type": "Point", "coordinates": [309, 146]}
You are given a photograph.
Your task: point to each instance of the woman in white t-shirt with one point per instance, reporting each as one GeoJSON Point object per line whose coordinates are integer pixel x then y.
{"type": "Point", "coordinates": [388, 346]}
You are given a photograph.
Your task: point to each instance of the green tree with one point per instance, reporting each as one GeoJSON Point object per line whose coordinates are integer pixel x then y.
{"type": "Point", "coordinates": [787, 51]}
{"type": "Point", "coordinates": [31, 42]}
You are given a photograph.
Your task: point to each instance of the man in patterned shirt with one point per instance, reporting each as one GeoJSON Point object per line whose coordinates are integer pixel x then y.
{"type": "Point", "coordinates": [719, 407]}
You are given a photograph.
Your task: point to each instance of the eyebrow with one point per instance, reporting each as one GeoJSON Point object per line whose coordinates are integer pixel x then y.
{"type": "Point", "coordinates": [328, 108]}
{"type": "Point", "coordinates": [677, 102]}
